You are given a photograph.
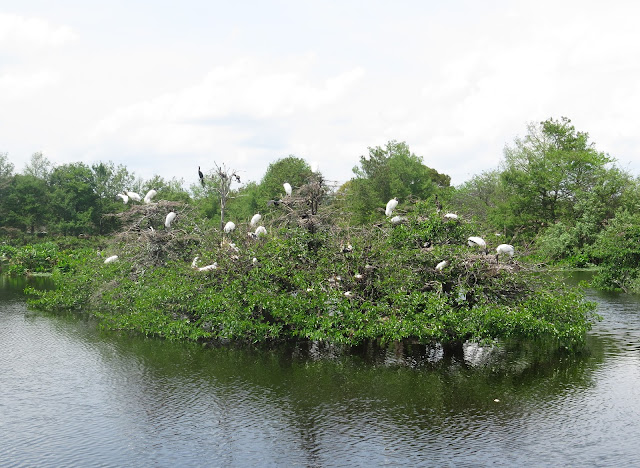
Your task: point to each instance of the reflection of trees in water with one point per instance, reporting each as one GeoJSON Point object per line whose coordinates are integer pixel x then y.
{"type": "Point", "coordinates": [306, 400]}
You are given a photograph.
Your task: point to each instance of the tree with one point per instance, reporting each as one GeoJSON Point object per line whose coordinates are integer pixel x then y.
{"type": "Point", "coordinates": [74, 199]}
{"type": "Point", "coordinates": [6, 167]}
{"type": "Point", "coordinates": [296, 171]}
{"type": "Point", "coordinates": [546, 173]}
{"type": "Point", "coordinates": [392, 171]}
{"type": "Point", "coordinates": [39, 166]}
{"type": "Point", "coordinates": [27, 203]}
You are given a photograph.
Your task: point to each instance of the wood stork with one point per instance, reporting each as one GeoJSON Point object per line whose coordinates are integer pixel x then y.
{"type": "Point", "coordinates": [134, 196]}
{"type": "Point", "coordinates": [230, 226]}
{"type": "Point", "coordinates": [451, 216]}
{"type": "Point", "coordinates": [504, 249]}
{"type": "Point", "coordinates": [124, 197]}
{"type": "Point", "coordinates": [169, 219]}
{"type": "Point", "coordinates": [111, 259]}
{"type": "Point", "coordinates": [287, 188]}
{"type": "Point", "coordinates": [256, 217]}
{"type": "Point", "coordinates": [440, 266]}
{"type": "Point", "coordinates": [213, 266]}
{"type": "Point", "coordinates": [391, 205]}
{"type": "Point", "coordinates": [150, 194]}
{"type": "Point", "coordinates": [397, 219]}
{"type": "Point", "coordinates": [479, 242]}
{"type": "Point", "coordinates": [201, 175]}
{"type": "Point", "coordinates": [261, 231]}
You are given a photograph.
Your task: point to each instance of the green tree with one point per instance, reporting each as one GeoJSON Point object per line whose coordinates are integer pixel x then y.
{"type": "Point", "coordinates": [74, 199]}
{"type": "Point", "coordinates": [39, 166]}
{"type": "Point", "coordinates": [27, 203]}
{"type": "Point", "coordinates": [546, 172]}
{"type": "Point", "coordinates": [392, 171]}
{"type": "Point", "coordinates": [296, 171]}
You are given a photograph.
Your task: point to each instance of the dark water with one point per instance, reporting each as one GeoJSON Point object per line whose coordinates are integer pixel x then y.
{"type": "Point", "coordinates": [73, 396]}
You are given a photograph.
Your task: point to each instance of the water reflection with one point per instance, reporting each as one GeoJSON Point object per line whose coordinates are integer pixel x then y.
{"type": "Point", "coordinates": [72, 395]}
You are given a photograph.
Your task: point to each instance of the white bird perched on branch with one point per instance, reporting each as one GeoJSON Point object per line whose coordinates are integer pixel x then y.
{"type": "Point", "coordinates": [213, 266]}
{"type": "Point", "coordinates": [397, 219]}
{"type": "Point", "coordinates": [134, 196]}
{"type": "Point", "coordinates": [440, 266]}
{"type": "Point", "coordinates": [474, 241]}
{"type": "Point", "coordinates": [256, 217]}
{"type": "Point", "coordinates": [287, 188]}
{"type": "Point", "coordinates": [169, 219]}
{"type": "Point", "coordinates": [111, 259]}
{"type": "Point", "coordinates": [230, 226]}
{"type": "Point", "coordinates": [391, 205]}
{"type": "Point", "coordinates": [125, 198]}
{"type": "Point", "coordinates": [451, 216]}
{"type": "Point", "coordinates": [506, 249]}
{"type": "Point", "coordinates": [261, 231]}
{"type": "Point", "coordinates": [150, 194]}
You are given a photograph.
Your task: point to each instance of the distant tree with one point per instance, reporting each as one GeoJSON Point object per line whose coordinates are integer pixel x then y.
{"type": "Point", "coordinates": [296, 171]}
{"type": "Point", "coordinates": [27, 203]}
{"type": "Point", "coordinates": [6, 167]}
{"type": "Point", "coordinates": [39, 166]}
{"type": "Point", "coordinates": [546, 172]}
{"type": "Point", "coordinates": [170, 190]}
{"type": "Point", "coordinates": [392, 171]}
{"type": "Point", "coordinates": [74, 199]}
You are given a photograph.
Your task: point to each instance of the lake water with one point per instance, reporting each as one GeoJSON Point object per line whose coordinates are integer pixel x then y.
{"type": "Point", "coordinates": [71, 395]}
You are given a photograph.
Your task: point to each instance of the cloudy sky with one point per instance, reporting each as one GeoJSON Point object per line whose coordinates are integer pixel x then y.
{"type": "Point", "coordinates": [165, 86]}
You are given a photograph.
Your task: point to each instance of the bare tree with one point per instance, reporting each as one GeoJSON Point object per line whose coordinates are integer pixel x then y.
{"type": "Point", "coordinates": [225, 177]}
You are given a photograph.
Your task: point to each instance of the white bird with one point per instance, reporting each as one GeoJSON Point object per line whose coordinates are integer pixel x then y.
{"type": "Point", "coordinates": [504, 249]}
{"type": "Point", "coordinates": [213, 266]}
{"type": "Point", "coordinates": [348, 294]}
{"type": "Point", "coordinates": [230, 226]}
{"type": "Point", "coordinates": [397, 219]}
{"type": "Point", "coordinates": [134, 196]}
{"type": "Point", "coordinates": [111, 259]}
{"type": "Point", "coordinates": [440, 266]}
{"type": "Point", "coordinates": [169, 219]}
{"type": "Point", "coordinates": [125, 198]}
{"type": "Point", "coordinates": [150, 194]}
{"type": "Point", "coordinates": [474, 241]}
{"type": "Point", "coordinates": [391, 205]}
{"type": "Point", "coordinates": [256, 217]}
{"type": "Point", "coordinates": [451, 216]}
{"type": "Point", "coordinates": [261, 231]}
{"type": "Point", "coordinates": [194, 264]}
{"type": "Point", "coordinates": [287, 188]}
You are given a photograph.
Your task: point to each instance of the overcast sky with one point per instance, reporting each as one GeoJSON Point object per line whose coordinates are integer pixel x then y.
{"type": "Point", "coordinates": [165, 86]}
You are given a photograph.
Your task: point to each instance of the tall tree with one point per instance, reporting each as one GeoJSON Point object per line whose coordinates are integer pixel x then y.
{"type": "Point", "coordinates": [38, 166]}
{"type": "Point", "coordinates": [546, 172]}
{"type": "Point", "coordinates": [388, 172]}
{"type": "Point", "coordinates": [74, 199]}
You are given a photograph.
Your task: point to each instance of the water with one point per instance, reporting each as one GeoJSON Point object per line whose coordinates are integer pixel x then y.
{"type": "Point", "coordinates": [71, 395]}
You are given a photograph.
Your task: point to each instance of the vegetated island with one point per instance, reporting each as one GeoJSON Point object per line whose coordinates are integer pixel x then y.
{"type": "Point", "coordinates": [413, 277]}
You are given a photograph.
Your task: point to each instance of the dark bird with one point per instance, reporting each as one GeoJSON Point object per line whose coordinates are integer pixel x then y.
{"type": "Point", "coordinates": [201, 175]}
{"type": "Point", "coordinates": [438, 204]}
{"type": "Point", "coordinates": [273, 202]}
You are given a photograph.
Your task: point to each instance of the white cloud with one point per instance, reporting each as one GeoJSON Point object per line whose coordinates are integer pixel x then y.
{"type": "Point", "coordinates": [16, 86]}
{"type": "Point", "coordinates": [18, 33]}
{"type": "Point", "coordinates": [226, 104]}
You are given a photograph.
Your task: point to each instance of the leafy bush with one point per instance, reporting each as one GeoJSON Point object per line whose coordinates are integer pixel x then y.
{"type": "Point", "coordinates": [341, 286]}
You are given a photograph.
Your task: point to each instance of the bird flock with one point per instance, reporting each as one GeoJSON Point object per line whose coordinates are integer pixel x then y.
{"type": "Point", "coordinates": [473, 241]}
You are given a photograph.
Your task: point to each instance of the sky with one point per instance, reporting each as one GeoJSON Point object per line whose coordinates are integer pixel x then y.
{"type": "Point", "coordinates": [163, 87]}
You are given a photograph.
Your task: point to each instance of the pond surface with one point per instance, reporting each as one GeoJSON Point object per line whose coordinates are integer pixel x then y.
{"type": "Point", "coordinates": [71, 395]}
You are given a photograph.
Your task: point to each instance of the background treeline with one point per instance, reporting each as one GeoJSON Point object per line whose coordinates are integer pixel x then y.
{"type": "Point", "coordinates": [554, 195]}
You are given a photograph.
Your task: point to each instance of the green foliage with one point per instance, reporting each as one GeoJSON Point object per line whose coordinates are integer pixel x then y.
{"type": "Point", "coordinates": [342, 286]}
{"type": "Point", "coordinates": [36, 258]}
{"type": "Point", "coordinates": [392, 171]}
{"type": "Point", "coordinates": [617, 250]}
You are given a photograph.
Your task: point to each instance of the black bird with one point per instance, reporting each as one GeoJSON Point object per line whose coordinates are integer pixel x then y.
{"type": "Point", "coordinates": [438, 204]}
{"type": "Point", "coordinates": [201, 175]}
